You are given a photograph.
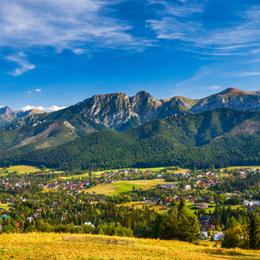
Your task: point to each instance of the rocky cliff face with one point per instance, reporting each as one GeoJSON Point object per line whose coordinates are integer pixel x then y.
{"type": "Point", "coordinates": [231, 98]}
{"type": "Point", "coordinates": [119, 111]}
{"type": "Point", "coordinates": [6, 115]}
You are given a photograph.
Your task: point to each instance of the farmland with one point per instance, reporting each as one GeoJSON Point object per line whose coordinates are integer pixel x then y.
{"type": "Point", "coordinates": [118, 187]}
{"type": "Point", "coordinates": [21, 169]}
{"type": "Point", "coordinates": [231, 168]}
{"type": "Point", "coordinates": [72, 246]}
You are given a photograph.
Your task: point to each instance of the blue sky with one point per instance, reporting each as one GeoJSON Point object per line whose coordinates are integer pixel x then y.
{"type": "Point", "coordinates": [56, 53]}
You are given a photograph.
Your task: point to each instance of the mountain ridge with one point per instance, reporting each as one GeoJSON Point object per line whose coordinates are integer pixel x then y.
{"type": "Point", "coordinates": [119, 111]}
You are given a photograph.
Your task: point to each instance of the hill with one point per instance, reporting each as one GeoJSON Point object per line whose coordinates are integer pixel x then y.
{"type": "Point", "coordinates": [72, 246]}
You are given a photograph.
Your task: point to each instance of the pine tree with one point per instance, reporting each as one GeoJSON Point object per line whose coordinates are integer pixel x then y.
{"type": "Point", "coordinates": [255, 231]}
{"type": "Point", "coordinates": [188, 224]}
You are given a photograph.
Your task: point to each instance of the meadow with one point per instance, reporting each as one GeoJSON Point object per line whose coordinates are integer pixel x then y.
{"type": "Point", "coordinates": [124, 186]}
{"type": "Point", "coordinates": [232, 168]}
{"type": "Point", "coordinates": [21, 169]}
{"type": "Point", "coordinates": [72, 246]}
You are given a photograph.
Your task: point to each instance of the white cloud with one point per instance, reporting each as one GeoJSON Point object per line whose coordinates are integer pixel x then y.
{"type": "Point", "coordinates": [52, 108]}
{"type": "Point", "coordinates": [23, 64]}
{"type": "Point", "coordinates": [36, 90]}
{"type": "Point", "coordinates": [29, 107]}
{"type": "Point", "coordinates": [78, 51]}
{"type": "Point", "coordinates": [64, 24]}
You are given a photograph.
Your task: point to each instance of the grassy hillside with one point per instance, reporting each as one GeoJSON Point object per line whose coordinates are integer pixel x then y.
{"type": "Point", "coordinates": [68, 246]}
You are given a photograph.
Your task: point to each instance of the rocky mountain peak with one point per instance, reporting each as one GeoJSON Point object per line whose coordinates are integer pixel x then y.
{"type": "Point", "coordinates": [6, 111]}
{"type": "Point", "coordinates": [232, 98]}
{"type": "Point", "coordinates": [231, 91]}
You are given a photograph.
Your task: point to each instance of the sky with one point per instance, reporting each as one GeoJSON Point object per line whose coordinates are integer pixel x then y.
{"type": "Point", "coordinates": [56, 53]}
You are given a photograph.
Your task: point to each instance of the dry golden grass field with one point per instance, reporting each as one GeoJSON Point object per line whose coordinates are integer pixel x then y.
{"type": "Point", "coordinates": [69, 246]}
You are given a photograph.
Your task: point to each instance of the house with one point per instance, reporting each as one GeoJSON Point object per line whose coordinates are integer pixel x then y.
{"type": "Point", "coordinates": [167, 186]}
{"type": "Point", "coordinates": [89, 224]}
{"type": "Point", "coordinates": [202, 205]}
{"type": "Point", "coordinates": [204, 221]}
{"type": "Point", "coordinates": [5, 217]}
{"type": "Point", "coordinates": [204, 235]}
{"type": "Point", "coordinates": [252, 203]}
{"type": "Point", "coordinates": [187, 187]}
{"type": "Point", "coordinates": [218, 236]}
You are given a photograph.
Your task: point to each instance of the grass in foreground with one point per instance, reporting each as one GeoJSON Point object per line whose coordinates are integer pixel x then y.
{"type": "Point", "coordinates": [70, 246]}
{"type": "Point", "coordinates": [124, 186]}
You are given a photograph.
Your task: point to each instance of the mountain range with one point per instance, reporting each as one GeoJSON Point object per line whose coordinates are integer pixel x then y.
{"type": "Point", "coordinates": [115, 130]}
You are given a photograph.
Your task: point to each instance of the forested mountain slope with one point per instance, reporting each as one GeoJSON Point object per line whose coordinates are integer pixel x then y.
{"type": "Point", "coordinates": [213, 138]}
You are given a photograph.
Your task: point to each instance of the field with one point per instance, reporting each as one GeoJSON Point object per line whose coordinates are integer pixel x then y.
{"type": "Point", "coordinates": [124, 186]}
{"type": "Point", "coordinates": [4, 206]}
{"type": "Point", "coordinates": [170, 169]}
{"type": "Point", "coordinates": [141, 204]}
{"type": "Point", "coordinates": [21, 169]}
{"type": "Point", "coordinates": [70, 246]}
{"type": "Point", "coordinates": [83, 175]}
{"type": "Point", "coordinates": [239, 167]}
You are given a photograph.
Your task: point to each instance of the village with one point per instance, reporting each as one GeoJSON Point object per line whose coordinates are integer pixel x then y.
{"type": "Point", "coordinates": [203, 191]}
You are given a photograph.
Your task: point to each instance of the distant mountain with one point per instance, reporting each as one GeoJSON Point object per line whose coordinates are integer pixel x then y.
{"type": "Point", "coordinates": [232, 98]}
{"type": "Point", "coordinates": [132, 119]}
{"type": "Point", "coordinates": [6, 115]}
{"type": "Point", "coordinates": [120, 112]}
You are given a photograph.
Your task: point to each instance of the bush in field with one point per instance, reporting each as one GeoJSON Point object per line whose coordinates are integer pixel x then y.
{"type": "Point", "coordinates": [236, 236]}
{"type": "Point", "coordinates": [114, 230]}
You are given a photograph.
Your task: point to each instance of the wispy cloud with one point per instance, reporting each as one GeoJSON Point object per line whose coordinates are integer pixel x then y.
{"type": "Point", "coordinates": [179, 8]}
{"type": "Point", "coordinates": [177, 22]}
{"type": "Point", "coordinates": [21, 61]}
{"type": "Point", "coordinates": [64, 24]}
{"type": "Point", "coordinates": [200, 82]}
{"type": "Point", "coordinates": [215, 87]}
{"type": "Point", "coordinates": [199, 75]}
{"type": "Point", "coordinates": [248, 74]}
